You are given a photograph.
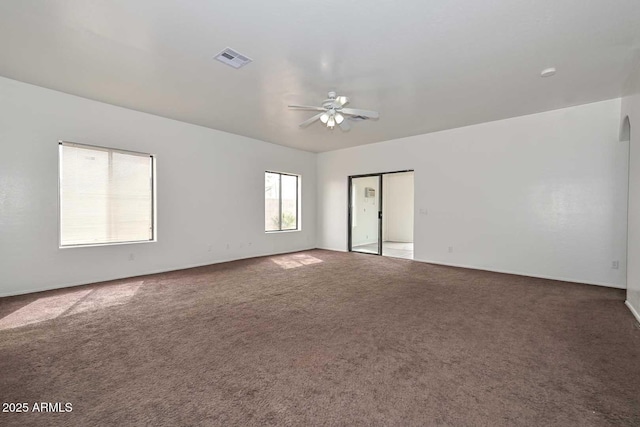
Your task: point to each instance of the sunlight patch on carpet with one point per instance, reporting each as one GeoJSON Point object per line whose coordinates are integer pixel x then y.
{"type": "Point", "coordinates": [49, 308]}
{"type": "Point", "coordinates": [106, 297]}
{"type": "Point", "coordinates": [295, 260]}
{"type": "Point", "coordinates": [42, 309]}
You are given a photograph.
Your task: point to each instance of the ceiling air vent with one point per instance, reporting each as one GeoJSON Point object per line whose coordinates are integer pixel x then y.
{"type": "Point", "coordinates": [232, 58]}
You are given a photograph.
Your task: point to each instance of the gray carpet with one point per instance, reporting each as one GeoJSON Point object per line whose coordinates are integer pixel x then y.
{"type": "Point", "coordinates": [323, 338]}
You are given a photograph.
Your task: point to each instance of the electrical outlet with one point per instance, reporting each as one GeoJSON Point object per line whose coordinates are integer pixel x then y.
{"type": "Point", "coordinates": [209, 248]}
{"type": "Point", "coordinates": [132, 257]}
{"type": "Point", "coordinates": [615, 265]}
{"type": "Point", "coordinates": [424, 212]}
{"type": "Point", "coordinates": [227, 246]}
{"type": "Point", "coordinates": [450, 249]}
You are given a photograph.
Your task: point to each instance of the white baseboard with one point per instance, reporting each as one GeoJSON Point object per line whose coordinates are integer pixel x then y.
{"type": "Point", "coordinates": [218, 261]}
{"type": "Point", "coordinates": [333, 249]}
{"type": "Point", "coordinates": [495, 270]}
{"type": "Point", "coordinates": [633, 310]}
{"type": "Point", "coordinates": [146, 273]}
{"type": "Point", "coordinates": [538, 276]}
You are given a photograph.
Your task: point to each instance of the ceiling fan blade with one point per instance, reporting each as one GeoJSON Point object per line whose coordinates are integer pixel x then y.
{"type": "Point", "coordinates": [342, 100]}
{"type": "Point", "coordinates": [363, 113]}
{"type": "Point", "coordinates": [345, 126]}
{"type": "Point", "coordinates": [307, 107]}
{"type": "Point", "coordinates": [311, 120]}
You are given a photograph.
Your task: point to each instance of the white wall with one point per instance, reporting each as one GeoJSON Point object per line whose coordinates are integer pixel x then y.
{"type": "Point", "coordinates": [197, 168]}
{"type": "Point", "coordinates": [540, 195]}
{"type": "Point", "coordinates": [631, 109]}
{"type": "Point", "coordinates": [365, 211]}
{"type": "Point", "coordinates": [397, 218]}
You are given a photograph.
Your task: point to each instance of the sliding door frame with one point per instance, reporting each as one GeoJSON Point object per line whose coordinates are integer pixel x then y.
{"type": "Point", "coordinates": [380, 212]}
{"type": "Point", "coordinates": [350, 212]}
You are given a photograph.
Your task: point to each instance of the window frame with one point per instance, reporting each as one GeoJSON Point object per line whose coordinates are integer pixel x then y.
{"type": "Point", "coordinates": [298, 194]}
{"type": "Point", "coordinates": [154, 219]}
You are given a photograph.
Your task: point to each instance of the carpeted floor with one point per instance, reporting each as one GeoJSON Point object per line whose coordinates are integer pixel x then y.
{"type": "Point", "coordinates": [323, 338]}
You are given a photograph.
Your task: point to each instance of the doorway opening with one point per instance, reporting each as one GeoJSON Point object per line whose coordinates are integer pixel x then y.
{"type": "Point", "coordinates": [381, 210]}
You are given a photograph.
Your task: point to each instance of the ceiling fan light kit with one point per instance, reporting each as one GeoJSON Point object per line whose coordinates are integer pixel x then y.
{"type": "Point", "coordinates": [333, 112]}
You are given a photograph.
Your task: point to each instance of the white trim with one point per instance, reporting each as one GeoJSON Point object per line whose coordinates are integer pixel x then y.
{"type": "Point", "coordinates": [146, 273]}
{"type": "Point", "coordinates": [154, 207]}
{"type": "Point", "coordinates": [70, 285]}
{"type": "Point", "coordinates": [537, 276]}
{"type": "Point", "coordinates": [333, 249]}
{"type": "Point", "coordinates": [93, 245]}
{"type": "Point", "coordinates": [494, 270]}
{"type": "Point", "coordinates": [100, 148]}
{"type": "Point", "coordinates": [633, 310]}
{"type": "Point", "coordinates": [298, 201]}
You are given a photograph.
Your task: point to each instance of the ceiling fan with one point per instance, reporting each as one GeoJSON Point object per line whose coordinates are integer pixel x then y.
{"type": "Point", "coordinates": [333, 113]}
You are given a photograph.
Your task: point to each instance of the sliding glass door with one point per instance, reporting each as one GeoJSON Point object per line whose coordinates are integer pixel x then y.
{"type": "Point", "coordinates": [365, 214]}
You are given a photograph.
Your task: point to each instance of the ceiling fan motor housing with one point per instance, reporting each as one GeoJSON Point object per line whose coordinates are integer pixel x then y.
{"type": "Point", "coordinates": [330, 101]}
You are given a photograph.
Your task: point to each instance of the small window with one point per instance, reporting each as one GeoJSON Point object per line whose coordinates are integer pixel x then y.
{"type": "Point", "coordinates": [106, 196]}
{"type": "Point", "coordinates": [281, 206]}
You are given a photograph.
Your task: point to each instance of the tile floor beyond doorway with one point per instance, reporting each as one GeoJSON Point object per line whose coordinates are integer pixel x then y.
{"type": "Point", "coordinates": [392, 249]}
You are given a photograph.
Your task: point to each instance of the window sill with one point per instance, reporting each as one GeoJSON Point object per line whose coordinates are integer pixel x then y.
{"type": "Point", "coordinates": [92, 245]}
{"type": "Point", "coordinates": [282, 231]}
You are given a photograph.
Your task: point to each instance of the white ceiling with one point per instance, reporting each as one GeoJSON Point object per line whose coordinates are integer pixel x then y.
{"type": "Point", "coordinates": [425, 65]}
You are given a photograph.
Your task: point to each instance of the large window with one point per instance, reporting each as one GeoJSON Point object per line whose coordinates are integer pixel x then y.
{"type": "Point", "coordinates": [106, 196]}
{"type": "Point", "coordinates": [281, 205]}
